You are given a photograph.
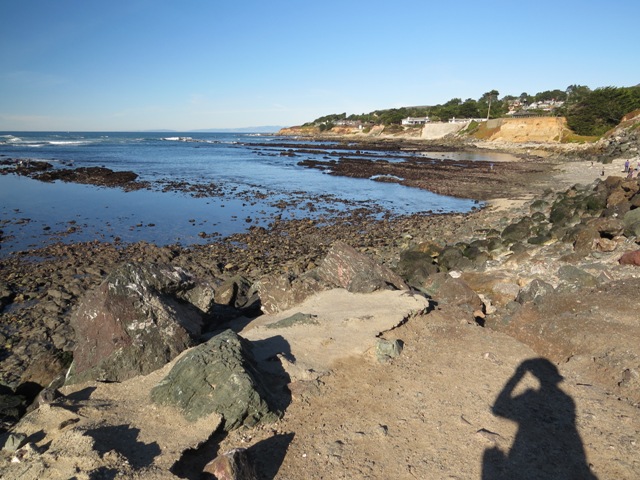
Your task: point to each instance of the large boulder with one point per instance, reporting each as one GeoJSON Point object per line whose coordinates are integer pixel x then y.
{"type": "Point", "coordinates": [218, 376]}
{"type": "Point", "coordinates": [345, 267]}
{"type": "Point", "coordinates": [282, 292]}
{"type": "Point", "coordinates": [447, 290]}
{"type": "Point", "coordinates": [133, 323]}
{"type": "Point", "coordinates": [416, 266]}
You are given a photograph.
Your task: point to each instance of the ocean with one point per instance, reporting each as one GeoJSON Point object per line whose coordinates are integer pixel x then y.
{"type": "Point", "coordinates": [255, 177]}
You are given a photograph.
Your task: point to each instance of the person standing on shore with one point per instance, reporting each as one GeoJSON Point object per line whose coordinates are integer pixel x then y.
{"type": "Point", "coordinates": [626, 166]}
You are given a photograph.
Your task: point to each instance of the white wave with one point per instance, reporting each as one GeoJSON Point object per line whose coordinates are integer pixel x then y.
{"type": "Point", "coordinates": [178, 139]}
{"type": "Point", "coordinates": [69, 142]}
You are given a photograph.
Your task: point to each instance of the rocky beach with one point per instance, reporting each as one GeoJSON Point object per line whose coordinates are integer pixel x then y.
{"type": "Point", "coordinates": [453, 346]}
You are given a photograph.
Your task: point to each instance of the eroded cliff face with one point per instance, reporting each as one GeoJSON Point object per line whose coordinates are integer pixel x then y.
{"type": "Point", "coordinates": [515, 130]}
{"type": "Point", "coordinates": [521, 130]}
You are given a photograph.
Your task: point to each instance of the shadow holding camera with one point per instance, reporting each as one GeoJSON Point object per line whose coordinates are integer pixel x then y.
{"type": "Point", "coordinates": [547, 444]}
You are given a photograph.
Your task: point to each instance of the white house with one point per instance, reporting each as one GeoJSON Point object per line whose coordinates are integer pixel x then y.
{"type": "Point", "coordinates": [415, 120]}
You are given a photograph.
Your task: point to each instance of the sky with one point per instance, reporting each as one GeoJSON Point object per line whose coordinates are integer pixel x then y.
{"type": "Point", "coordinates": [129, 65]}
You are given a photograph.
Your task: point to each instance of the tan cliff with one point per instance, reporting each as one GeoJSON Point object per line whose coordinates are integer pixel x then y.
{"type": "Point", "coordinates": [514, 130]}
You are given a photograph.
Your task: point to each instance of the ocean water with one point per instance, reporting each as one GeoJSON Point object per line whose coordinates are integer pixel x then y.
{"type": "Point", "coordinates": [256, 177]}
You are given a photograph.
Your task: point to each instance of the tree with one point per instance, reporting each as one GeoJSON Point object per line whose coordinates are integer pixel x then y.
{"type": "Point", "coordinates": [469, 109]}
{"type": "Point", "coordinates": [489, 97]}
{"type": "Point", "coordinates": [577, 93]}
{"type": "Point", "coordinates": [602, 109]}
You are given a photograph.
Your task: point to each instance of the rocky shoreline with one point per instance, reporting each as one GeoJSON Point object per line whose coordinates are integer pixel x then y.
{"type": "Point", "coordinates": [548, 263]}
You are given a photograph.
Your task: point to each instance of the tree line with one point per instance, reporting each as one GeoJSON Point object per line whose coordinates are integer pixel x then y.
{"type": "Point", "coordinates": [588, 112]}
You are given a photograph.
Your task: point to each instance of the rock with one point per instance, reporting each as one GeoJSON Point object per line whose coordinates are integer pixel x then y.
{"type": "Point", "coordinates": [535, 292]}
{"type": "Point", "coordinates": [631, 217]}
{"type": "Point", "coordinates": [539, 206]}
{"type": "Point", "coordinates": [295, 319]}
{"type": "Point", "coordinates": [574, 277]}
{"type": "Point", "coordinates": [517, 231]}
{"type": "Point", "coordinates": [13, 442]}
{"type": "Point", "coordinates": [500, 287]}
{"type": "Point", "coordinates": [283, 292]}
{"type": "Point", "coordinates": [345, 267]}
{"type": "Point", "coordinates": [49, 395]}
{"type": "Point", "coordinates": [388, 349]}
{"type": "Point", "coordinates": [416, 266]}
{"type": "Point", "coordinates": [218, 376]}
{"type": "Point", "coordinates": [236, 292]}
{"type": "Point", "coordinates": [607, 227]}
{"type": "Point", "coordinates": [617, 197]}
{"type": "Point", "coordinates": [201, 296]}
{"type": "Point", "coordinates": [452, 258]}
{"type": "Point", "coordinates": [44, 368]}
{"type": "Point", "coordinates": [12, 407]}
{"type": "Point", "coordinates": [132, 324]}
{"type": "Point", "coordinates": [443, 288]}
{"type": "Point", "coordinates": [630, 258]}
{"type": "Point", "coordinates": [6, 294]}
{"type": "Point", "coordinates": [583, 238]}
{"type": "Point", "coordinates": [590, 326]}
{"type": "Point", "coordinates": [232, 465]}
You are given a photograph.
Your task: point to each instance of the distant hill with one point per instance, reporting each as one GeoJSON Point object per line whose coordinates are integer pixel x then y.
{"type": "Point", "coordinates": [263, 129]}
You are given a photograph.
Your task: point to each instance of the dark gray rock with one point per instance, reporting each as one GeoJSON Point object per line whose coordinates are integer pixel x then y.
{"type": "Point", "coordinates": [539, 206]}
{"type": "Point", "coordinates": [534, 292]}
{"type": "Point", "coordinates": [452, 258]}
{"type": "Point", "coordinates": [295, 319]}
{"type": "Point", "coordinates": [217, 376]}
{"type": "Point", "coordinates": [6, 294]}
{"type": "Point", "coordinates": [12, 407]}
{"type": "Point", "coordinates": [518, 231]}
{"type": "Point", "coordinates": [416, 266]}
{"type": "Point", "coordinates": [388, 349]}
{"type": "Point", "coordinates": [631, 217]}
{"type": "Point", "coordinates": [572, 277]}
{"type": "Point", "coordinates": [133, 323]}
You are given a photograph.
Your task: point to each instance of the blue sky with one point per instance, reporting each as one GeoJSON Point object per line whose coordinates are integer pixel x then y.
{"type": "Point", "coordinates": [124, 65]}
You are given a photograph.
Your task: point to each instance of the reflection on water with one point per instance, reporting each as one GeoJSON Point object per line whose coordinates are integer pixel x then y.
{"type": "Point", "coordinates": [34, 212]}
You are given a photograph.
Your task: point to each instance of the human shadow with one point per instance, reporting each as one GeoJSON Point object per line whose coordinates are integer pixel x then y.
{"type": "Point", "coordinates": [124, 439]}
{"type": "Point", "coordinates": [268, 455]}
{"type": "Point", "coordinates": [547, 444]}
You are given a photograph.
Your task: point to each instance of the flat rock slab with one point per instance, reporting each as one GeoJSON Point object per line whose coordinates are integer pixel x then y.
{"type": "Point", "coordinates": [332, 325]}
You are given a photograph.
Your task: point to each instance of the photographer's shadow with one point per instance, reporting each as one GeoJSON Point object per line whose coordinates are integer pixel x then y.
{"type": "Point", "coordinates": [547, 444]}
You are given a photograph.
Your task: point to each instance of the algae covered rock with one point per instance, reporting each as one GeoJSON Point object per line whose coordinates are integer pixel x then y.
{"type": "Point", "coordinates": [218, 376]}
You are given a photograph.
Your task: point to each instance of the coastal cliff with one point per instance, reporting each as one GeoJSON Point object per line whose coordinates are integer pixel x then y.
{"type": "Point", "coordinates": [516, 130]}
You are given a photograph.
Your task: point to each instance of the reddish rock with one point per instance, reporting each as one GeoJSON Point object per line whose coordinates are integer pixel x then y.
{"type": "Point", "coordinates": [232, 465]}
{"type": "Point", "coordinates": [347, 268]}
{"type": "Point", "coordinates": [630, 258]}
{"type": "Point", "coordinates": [133, 324]}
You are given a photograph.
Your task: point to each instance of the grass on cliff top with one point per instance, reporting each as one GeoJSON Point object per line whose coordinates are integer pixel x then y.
{"type": "Point", "coordinates": [570, 137]}
{"type": "Point", "coordinates": [482, 132]}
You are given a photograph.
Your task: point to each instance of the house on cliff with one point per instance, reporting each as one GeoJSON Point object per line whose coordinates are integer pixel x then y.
{"type": "Point", "coordinates": [415, 120]}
